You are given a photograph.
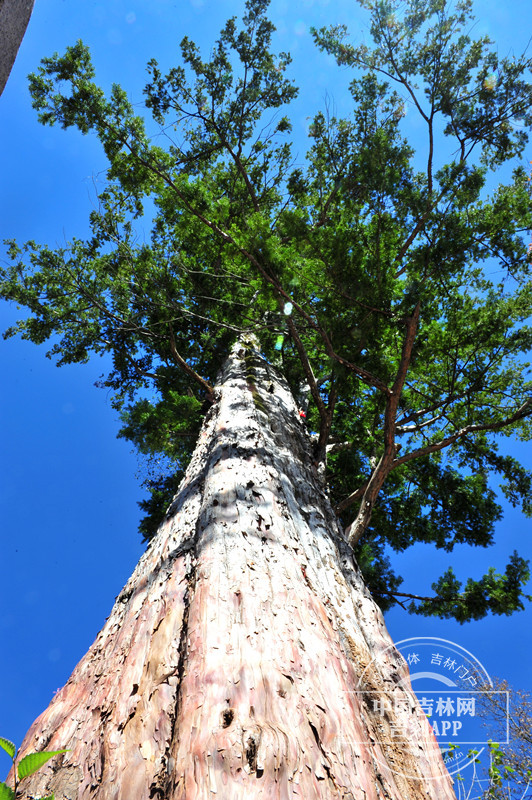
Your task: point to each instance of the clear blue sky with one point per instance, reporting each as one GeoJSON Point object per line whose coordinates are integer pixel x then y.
{"type": "Point", "coordinates": [68, 492]}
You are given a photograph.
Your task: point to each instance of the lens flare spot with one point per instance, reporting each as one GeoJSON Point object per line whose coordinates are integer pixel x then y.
{"type": "Point", "coordinates": [490, 82]}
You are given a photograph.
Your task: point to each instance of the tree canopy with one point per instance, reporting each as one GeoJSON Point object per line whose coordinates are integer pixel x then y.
{"type": "Point", "coordinates": [390, 285]}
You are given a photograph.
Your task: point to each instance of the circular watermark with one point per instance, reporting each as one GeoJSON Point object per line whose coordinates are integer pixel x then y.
{"type": "Point", "coordinates": [447, 681]}
{"type": "Point", "coordinates": [444, 684]}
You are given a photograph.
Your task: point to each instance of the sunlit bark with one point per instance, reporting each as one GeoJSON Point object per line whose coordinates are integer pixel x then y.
{"type": "Point", "coordinates": [233, 661]}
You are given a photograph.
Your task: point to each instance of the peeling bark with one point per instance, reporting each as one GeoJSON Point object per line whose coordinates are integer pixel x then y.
{"type": "Point", "coordinates": [233, 661]}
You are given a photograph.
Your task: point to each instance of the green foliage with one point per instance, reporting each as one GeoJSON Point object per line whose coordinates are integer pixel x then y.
{"type": "Point", "coordinates": [6, 793]}
{"type": "Point", "coordinates": [495, 593]}
{"type": "Point", "coordinates": [498, 770]}
{"type": "Point", "coordinates": [8, 746]}
{"type": "Point", "coordinates": [395, 283]}
{"type": "Point", "coordinates": [34, 761]}
{"type": "Point", "coordinates": [167, 428]}
{"type": "Point", "coordinates": [24, 767]}
{"type": "Point", "coordinates": [160, 494]}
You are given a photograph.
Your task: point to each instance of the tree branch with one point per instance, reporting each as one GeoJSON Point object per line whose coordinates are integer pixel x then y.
{"type": "Point", "coordinates": [180, 361]}
{"type": "Point", "coordinates": [374, 485]}
{"type": "Point", "coordinates": [524, 411]}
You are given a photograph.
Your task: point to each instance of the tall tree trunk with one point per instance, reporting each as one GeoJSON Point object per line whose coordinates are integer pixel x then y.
{"type": "Point", "coordinates": [233, 661]}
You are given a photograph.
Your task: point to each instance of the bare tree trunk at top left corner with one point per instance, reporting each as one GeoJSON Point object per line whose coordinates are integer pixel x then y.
{"type": "Point", "coordinates": [14, 18]}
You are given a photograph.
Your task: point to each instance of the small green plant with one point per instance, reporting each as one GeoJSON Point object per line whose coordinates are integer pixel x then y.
{"type": "Point", "coordinates": [499, 769]}
{"type": "Point", "coordinates": [26, 766]}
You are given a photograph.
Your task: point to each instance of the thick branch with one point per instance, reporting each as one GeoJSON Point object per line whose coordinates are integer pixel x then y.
{"type": "Point", "coordinates": [524, 411]}
{"type": "Point", "coordinates": [352, 498]}
{"type": "Point", "coordinates": [180, 361]}
{"type": "Point", "coordinates": [338, 447]}
{"type": "Point", "coordinates": [363, 517]}
{"type": "Point", "coordinates": [307, 369]}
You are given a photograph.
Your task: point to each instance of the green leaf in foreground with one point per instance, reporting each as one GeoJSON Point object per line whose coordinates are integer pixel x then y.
{"type": "Point", "coordinates": [33, 761]}
{"type": "Point", "coordinates": [8, 746]}
{"type": "Point", "coordinates": [6, 793]}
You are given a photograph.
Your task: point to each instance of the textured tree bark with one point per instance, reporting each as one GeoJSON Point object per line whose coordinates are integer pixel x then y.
{"type": "Point", "coordinates": [14, 18]}
{"type": "Point", "coordinates": [241, 658]}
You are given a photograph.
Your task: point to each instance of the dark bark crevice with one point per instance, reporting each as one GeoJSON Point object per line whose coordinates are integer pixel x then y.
{"type": "Point", "coordinates": [164, 780]}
